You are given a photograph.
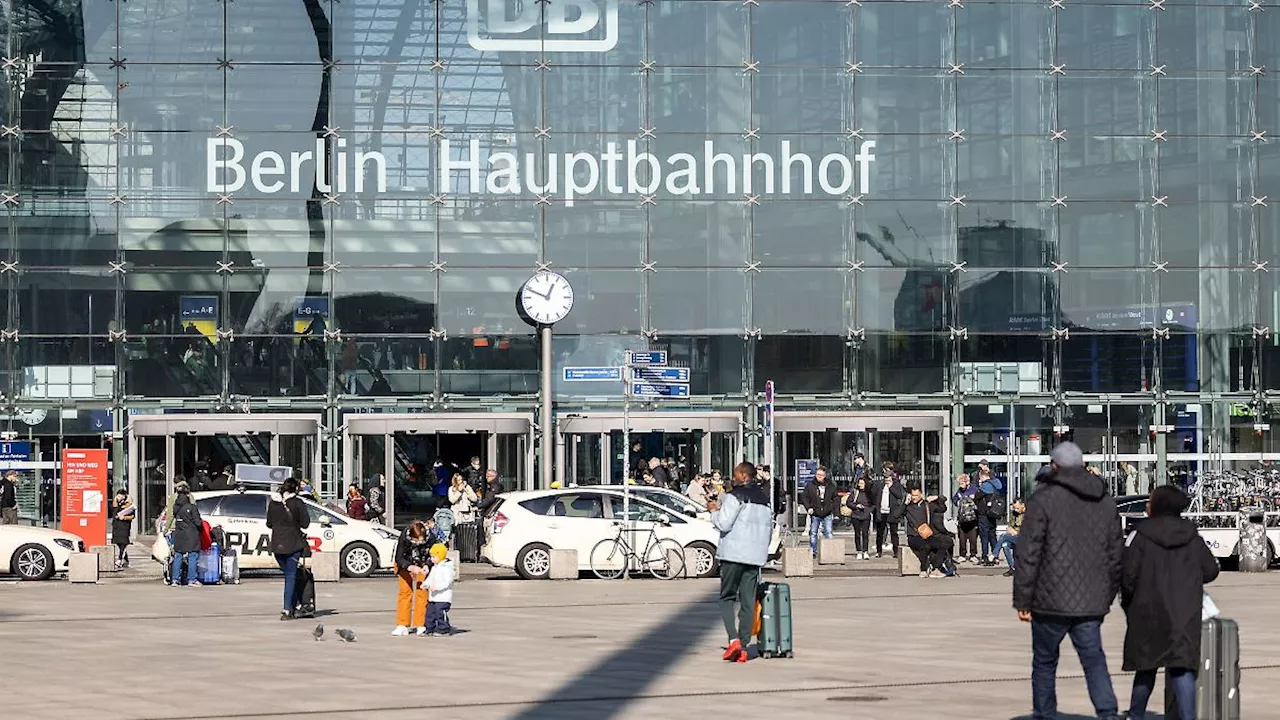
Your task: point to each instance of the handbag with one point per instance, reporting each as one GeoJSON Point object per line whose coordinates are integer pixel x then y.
{"type": "Point", "coordinates": [924, 529]}
{"type": "Point", "coordinates": [161, 551]}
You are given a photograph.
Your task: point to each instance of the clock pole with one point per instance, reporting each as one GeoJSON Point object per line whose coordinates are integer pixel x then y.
{"type": "Point", "coordinates": [548, 444]}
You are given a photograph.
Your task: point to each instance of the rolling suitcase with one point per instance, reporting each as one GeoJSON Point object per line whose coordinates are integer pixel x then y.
{"type": "Point", "coordinates": [775, 620]}
{"type": "Point", "coordinates": [209, 566]}
{"type": "Point", "coordinates": [231, 568]}
{"type": "Point", "coordinates": [304, 590]}
{"type": "Point", "coordinates": [1218, 683]}
{"type": "Point", "coordinates": [468, 539]}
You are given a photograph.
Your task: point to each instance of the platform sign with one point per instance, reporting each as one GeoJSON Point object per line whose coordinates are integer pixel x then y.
{"type": "Point", "coordinates": [85, 495]}
{"type": "Point", "coordinates": [199, 312]}
{"type": "Point", "coordinates": [649, 357]}
{"type": "Point", "coordinates": [642, 389]}
{"type": "Point", "coordinates": [660, 374]}
{"type": "Point", "coordinates": [806, 471]}
{"type": "Point", "coordinates": [15, 452]}
{"type": "Point", "coordinates": [592, 374]}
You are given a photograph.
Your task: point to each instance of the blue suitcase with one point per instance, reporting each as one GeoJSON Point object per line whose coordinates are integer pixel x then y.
{"type": "Point", "coordinates": [209, 566]}
{"type": "Point", "coordinates": [775, 620]}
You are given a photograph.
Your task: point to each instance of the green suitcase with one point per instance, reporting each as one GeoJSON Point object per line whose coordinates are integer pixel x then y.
{"type": "Point", "coordinates": [775, 620]}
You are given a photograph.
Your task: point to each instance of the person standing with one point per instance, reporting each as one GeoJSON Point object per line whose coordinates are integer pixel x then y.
{"type": "Point", "coordinates": [991, 510]}
{"type": "Point", "coordinates": [890, 502]}
{"type": "Point", "coordinates": [374, 511]}
{"type": "Point", "coordinates": [745, 527]}
{"type": "Point", "coordinates": [474, 473]}
{"type": "Point", "coordinates": [462, 500]}
{"type": "Point", "coordinates": [187, 525]}
{"type": "Point", "coordinates": [1067, 576]}
{"type": "Point", "coordinates": [357, 506]}
{"type": "Point", "coordinates": [287, 519]}
{"type": "Point", "coordinates": [658, 473]}
{"type": "Point", "coordinates": [1164, 570]}
{"type": "Point", "coordinates": [860, 502]}
{"type": "Point", "coordinates": [9, 499]}
{"type": "Point", "coordinates": [966, 518]}
{"type": "Point", "coordinates": [821, 502]}
{"type": "Point", "coordinates": [492, 489]}
{"type": "Point", "coordinates": [122, 512]}
{"type": "Point", "coordinates": [698, 490]}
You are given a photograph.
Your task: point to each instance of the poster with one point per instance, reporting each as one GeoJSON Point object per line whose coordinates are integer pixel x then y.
{"type": "Point", "coordinates": [806, 471]}
{"type": "Point", "coordinates": [85, 495]}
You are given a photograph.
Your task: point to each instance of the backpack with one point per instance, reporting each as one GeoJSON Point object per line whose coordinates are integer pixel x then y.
{"type": "Point", "coordinates": [995, 507]}
{"type": "Point", "coordinates": [968, 509]}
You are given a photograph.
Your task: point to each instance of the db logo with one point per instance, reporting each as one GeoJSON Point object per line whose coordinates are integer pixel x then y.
{"type": "Point", "coordinates": [528, 26]}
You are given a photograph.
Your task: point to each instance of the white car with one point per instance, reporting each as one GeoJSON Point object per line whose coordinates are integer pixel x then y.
{"type": "Point", "coordinates": [524, 527]}
{"type": "Point", "coordinates": [36, 553]}
{"type": "Point", "coordinates": [242, 515]}
{"type": "Point", "coordinates": [676, 502]}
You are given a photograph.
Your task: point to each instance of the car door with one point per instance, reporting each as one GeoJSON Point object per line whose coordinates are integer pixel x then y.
{"type": "Point", "coordinates": [576, 521]}
{"type": "Point", "coordinates": [328, 532]}
{"type": "Point", "coordinates": [243, 519]}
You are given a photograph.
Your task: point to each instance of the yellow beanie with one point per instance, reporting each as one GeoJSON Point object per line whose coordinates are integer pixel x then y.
{"type": "Point", "coordinates": [439, 552]}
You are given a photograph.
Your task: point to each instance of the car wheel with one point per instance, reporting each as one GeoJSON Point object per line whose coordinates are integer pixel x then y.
{"type": "Point", "coordinates": [702, 560]}
{"type": "Point", "coordinates": [359, 560]}
{"type": "Point", "coordinates": [534, 562]}
{"type": "Point", "coordinates": [32, 562]}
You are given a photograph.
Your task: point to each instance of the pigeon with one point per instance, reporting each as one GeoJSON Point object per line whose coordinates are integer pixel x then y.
{"type": "Point", "coordinates": [318, 632]}
{"type": "Point", "coordinates": [346, 635]}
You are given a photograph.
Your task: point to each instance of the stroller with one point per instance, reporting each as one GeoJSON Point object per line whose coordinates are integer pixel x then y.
{"type": "Point", "coordinates": [444, 521]}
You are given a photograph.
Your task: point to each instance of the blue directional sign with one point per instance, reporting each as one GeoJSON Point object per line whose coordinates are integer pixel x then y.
{"type": "Point", "coordinates": [660, 374]}
{"type": "Point", "coordinates": [592, 374]}
{"type": "Point", "coordinates": [806, 471]}
{"type": "Point", "coordinates": [659, 390]}
{"type": "Point", "coordinates": [649, 357]}
{"type": "Point", "coordinates": [15, 451]}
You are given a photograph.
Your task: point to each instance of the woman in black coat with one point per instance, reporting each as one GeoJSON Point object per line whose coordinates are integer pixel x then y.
{"type": "Point", "coordinates": [1165, 568]}
{"type": "Point", "coordinates": [288, 519]}
{"type": "Point", "coordinates": [187, 524]}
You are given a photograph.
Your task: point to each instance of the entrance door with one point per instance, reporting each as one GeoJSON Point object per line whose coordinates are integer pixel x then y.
{"type": "Point", "coordinates": [913, 442]}
{"type": "Point", "coordinates": [602, 447]}
{"type": "Point", "coordinates": [165, 447]}
{"type": "Point", "coordinates": [404, 448]}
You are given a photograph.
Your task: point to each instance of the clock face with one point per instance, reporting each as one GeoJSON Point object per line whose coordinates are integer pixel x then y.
{"type": "Point", "coordinates": [547, 298]}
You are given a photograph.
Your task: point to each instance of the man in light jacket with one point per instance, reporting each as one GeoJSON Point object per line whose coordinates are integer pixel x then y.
{"type": "Point", "coordinates": [745, 526]}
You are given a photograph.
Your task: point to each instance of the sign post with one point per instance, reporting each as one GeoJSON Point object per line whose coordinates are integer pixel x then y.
{"type": "Point", "coordinates": [84, 495]}
{"type": "Point", "coordinates": [768, 441]}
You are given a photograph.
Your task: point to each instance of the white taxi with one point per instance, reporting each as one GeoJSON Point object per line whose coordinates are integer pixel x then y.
{"type": "Point", "coordinates": [242, 515]}
{"type": "Point", "coordinates": [36, 553]}
{"type": "Point", "coordinates": [524, 527]}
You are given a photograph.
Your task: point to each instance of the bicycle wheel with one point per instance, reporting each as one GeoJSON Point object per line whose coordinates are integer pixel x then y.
{"type": "Point", "coordinates": [665, 559]}
{"type": "Point", "coordinates": [609, 559]}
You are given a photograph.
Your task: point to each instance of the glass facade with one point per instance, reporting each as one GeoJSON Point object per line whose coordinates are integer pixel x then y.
{"type": "Point", "coordinates": [1019, 212]}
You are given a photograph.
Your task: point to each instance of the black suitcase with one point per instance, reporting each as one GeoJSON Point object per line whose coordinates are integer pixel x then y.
{"type": "Point", "coordinates": [304, 591]}
{"type": "Point", "coordinates": [468, 541]}
{"type": "Point", "coordinates": [1218, 684]}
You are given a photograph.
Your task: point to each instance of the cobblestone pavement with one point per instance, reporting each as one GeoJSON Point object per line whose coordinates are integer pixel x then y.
{"type": "Point", "coordinates": [866, 647]}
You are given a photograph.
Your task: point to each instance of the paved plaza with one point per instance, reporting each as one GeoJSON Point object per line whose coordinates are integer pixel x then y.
{"type": "Point", "coordinates": [867, 647]}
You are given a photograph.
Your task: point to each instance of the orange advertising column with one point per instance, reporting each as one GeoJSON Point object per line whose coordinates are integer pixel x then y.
{"type": "Point", "coordinates": [84, 495]}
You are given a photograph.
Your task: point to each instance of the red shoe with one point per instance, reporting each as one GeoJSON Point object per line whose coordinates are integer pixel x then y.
{"type": "Point", "coordinates": [742, 656]}
{"type": "Point", "coordinates": [734, 651]}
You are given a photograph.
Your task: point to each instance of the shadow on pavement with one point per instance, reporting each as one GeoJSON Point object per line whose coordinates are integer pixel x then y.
{"type": "Point", "coordinates": [1150, 716]}
{"type": "Point", "coordinates": [614, 682]}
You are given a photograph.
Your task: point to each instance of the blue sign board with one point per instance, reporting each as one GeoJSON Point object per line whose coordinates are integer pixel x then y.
{"type": "Point", "coordinates": [592, 374]}
{"type": "Point", "coordinates": [15, 451]}
{"type": "Point", "coordinates": [649, 357]}
{"type": "Point", "coordinates": [658, 390]}
{"type": "Point", "coordinates": [198, 307]}
{"type": "Point", "coordinates": [806, 471]}
{"type": "Point", "coordinates": [660, 374]}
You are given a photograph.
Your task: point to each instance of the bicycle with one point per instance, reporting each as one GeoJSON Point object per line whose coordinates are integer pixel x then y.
{"type": "Point", "coordinates": [662, 557]}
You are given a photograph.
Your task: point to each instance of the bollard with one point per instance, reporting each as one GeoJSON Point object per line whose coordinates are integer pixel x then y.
{"type": "Point", "coordinates": [106, 557]}
{"type": "Point", "coordinates": [1253, 550]}
{"type": "Point", "coordinates": [797, 562]}
{"type": "Point", "coordinates": [325, 566]}
{"type": "Point", "coordinates": [564, 565]}
{"type": "Point", "coordinates": [83, 568]}
{"type": "Point", "coordinates": [830, 551]}
{"type": "Point", "coordinates": [456, 557]}
{"type": "Point", "coordinates": [908, 563]}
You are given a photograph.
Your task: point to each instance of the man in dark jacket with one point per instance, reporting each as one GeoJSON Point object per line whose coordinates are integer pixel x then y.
{"type": "Point", "coordinates": [9, 499]}
{"type": "Point", "coordinates": [474, 474]}
{"type": "Point", "coordinates": [821, 502]}
{"type": "Point", "coordinates": [1067, 576]}
{"type": "Point", "coordinates": [890, 502]}
{"type": "Point", "coordinates": [1164, 572]}
{"type": "Point", "coordinates": [934, 551]}
{"type": "Point", "coordinates": [187, 524]}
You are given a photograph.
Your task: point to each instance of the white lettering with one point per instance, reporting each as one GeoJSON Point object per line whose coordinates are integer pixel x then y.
{"type": "Point", "coordinates": [340, 165]}
{"type": "Point", "coordinates": [748, 166]}
{"type": "Point", "coordinates": [611, 157]}
{"type": "Point", "coordinates": [710, 158]}
{"type": "Point", "coordinates": [787, 160]}
{"type": "Point", "coordinates": [558, 21]}
{"type": "Point", "coordinates": [509, 174]}
{"type": "Point", "coordinates": [531, 171]}
{"type": "Point", "coordinates": [633, 168]}
{"type": "Point", "coordinates": [231, 164]}
{"type": "Point", "coordinates": [846, 174]}
{"type": "Point", "coordinates": [296, 161]}
{"type": "Point", "coordinates": [260, 169]}
{"type": "Point", "coordinates": [571, 186]}
{"type": "Point", "coordinates": [689, 175]}
{"type": "Point", "coordinates": [470, 162]}
{"type": "Point", "coordinates": [864, 158]}
{"type": "Point", "coordinates": [378, 159]}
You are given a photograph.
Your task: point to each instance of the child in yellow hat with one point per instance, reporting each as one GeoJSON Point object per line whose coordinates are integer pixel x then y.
{"type": "Point", "coordinates": [439, 587]}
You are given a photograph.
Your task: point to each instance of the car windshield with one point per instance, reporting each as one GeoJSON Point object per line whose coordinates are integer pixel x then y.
{"type": "Point", "coordinates": [669, 500]}
{"type": "Point", "coordinates": [315, 512]}
{"type": "Point", "coordinates": [640, 511]}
